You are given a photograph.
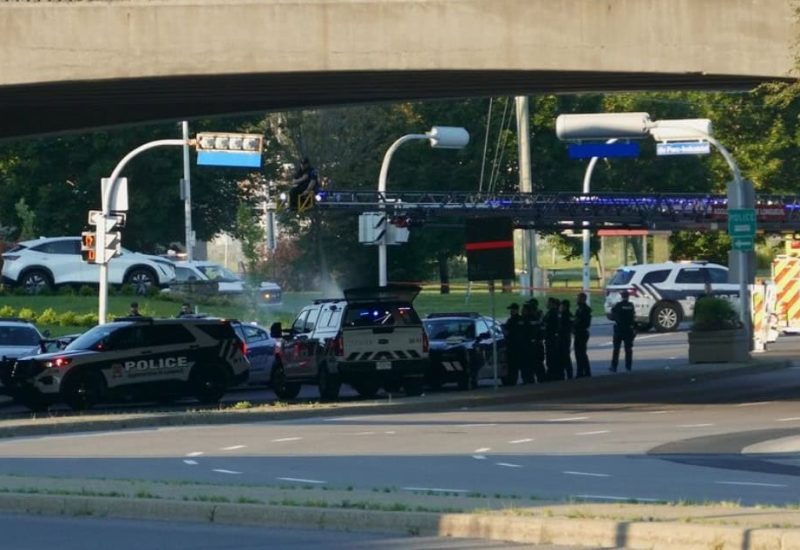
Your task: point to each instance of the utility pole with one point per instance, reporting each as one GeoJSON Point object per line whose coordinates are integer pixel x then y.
{"type": "Point", "coordinates": [187, 193]}
{"type": "Point", "coordinates": [530, 261]}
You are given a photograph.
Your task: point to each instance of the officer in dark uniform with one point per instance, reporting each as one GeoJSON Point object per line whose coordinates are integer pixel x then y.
{"type": "Point", "coordinates": [583, 320]}
{"type": "Point", "coordinates": [550, 323]}
{"type": "Point", "coordinates": [624, 316]}
{"type": "Point", "coordinates": [537, 343]}
{"type": "Point", "coordinates": [565, 339]}
{"type": "Point", "coordinates": [515, 341]}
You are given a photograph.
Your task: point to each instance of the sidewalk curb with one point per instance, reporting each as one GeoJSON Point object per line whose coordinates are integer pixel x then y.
{"type": "Point", "coordinates": [538, 393]}
{"type": "Point", "coordinates": [526, 530]}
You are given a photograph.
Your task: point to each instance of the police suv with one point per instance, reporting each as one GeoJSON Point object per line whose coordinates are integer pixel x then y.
{"type": "Point", "coordinates": [664, 294]}
{"type": "Point", "coordinates": [372, 338]}
{"type": "Point", "coordinates": [135, 358]}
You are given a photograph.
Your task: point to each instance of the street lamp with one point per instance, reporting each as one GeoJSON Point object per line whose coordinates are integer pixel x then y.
{"type": "Point", "coordinates": [440, 137]}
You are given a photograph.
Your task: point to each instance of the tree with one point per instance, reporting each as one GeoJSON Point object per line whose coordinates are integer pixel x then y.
{"type": "Point", "coordinates": [27, 220]}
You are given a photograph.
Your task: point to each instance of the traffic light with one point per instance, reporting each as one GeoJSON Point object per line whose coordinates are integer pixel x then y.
{"type": "Point", "coordinates": [88, 246]}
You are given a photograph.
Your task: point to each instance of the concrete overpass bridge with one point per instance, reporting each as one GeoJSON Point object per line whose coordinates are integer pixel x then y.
{"type": "Point", "coordinates": [73, 64]}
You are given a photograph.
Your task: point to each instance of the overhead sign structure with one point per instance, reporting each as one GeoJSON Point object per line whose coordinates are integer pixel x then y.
{"type": "Point", "coordinates": [224, 149]}
{"type": "Point", "coordinates": [683, 148]}
{"type": "Point", "coordinates": [603, 150]}
{"type": "Point", "coordinates": [490, 249]}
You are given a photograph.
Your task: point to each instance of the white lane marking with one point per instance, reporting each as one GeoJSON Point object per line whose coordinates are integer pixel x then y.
{"type": "Point", "coordinates": [568, 419]}
{"type": "Point", "coordinates": [474, 425]}
{"type": "Point", "coordinates": [598, 432]}
{"type": "Point", "coordinates": [435, 490]}
{"type": "Point", "coordinates": [611, 497]}
{"type": "Point", "coordinates": [694, 425]}
{"type": "Point", "coordinates": [392, 432]}
{"type": "Point", "coordinates": [659, 412]}
{"type": "Point", "coordinates": [479, 457]}
{"type": "Point", "coordinates": [671, 358]}
{"type": "Point", "coordinates": [364, 433]}
{"type": "Point", "coordinates": [754, 403]}
{"type": "Point", "coordinates": [233, 447]}
{"type": "Point", "coordinates": [231, 472]}
{"type": "Point", "coordinates": [789, 419]}
{"type": "Point", "coordinates": [282, 439]}
{"type": "Point", "coordinates": [302, 480]}
{"type": "Point", "coordinates": [588, 474]}
{"type": "Point", "coordinates": [750, 483]}
{"type": "Point", "coordinates": [518, 441]}
{"type": "Point", "coordinates": [195, 453]}
{"type": "Point", "coordinates": [190, 462]}
{"type": "Point", "coordinates": [508, 465]}
{"type": "Point", "coordinates": [482, 450]}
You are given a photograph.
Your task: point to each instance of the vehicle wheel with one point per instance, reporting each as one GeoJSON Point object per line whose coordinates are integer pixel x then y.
{"type": "Point", "coordinates": [141, 279]}
{"type": "Point", "coordinates": [83, 390]}
{"type": "Point", "coordinates": [643, 327]}
{"type": "Point", "coordinates": [510, 379]}
{"type": "Point", "coordinates": [413, 386]}
{"type": "Point", "coordinates": [666, 317]}
{"type": "Point", "coordinates": [282, 388]}
{"type": "Point", "coordinates": [209, 383]}
{"type": "Point", "coordinates": [36, 281]}
{"type": "Point", "coordinates": [367, 388]}
{"type": "Point", "coordinates": [329, 384]}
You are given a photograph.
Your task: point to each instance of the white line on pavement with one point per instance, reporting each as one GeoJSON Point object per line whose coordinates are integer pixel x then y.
{"type": "Point", "coordinates": [190, 462]}
{"type": "Point", "coordinates": [435, 490]}
{"type": "Point", "coordinates": [482, 450]}
{"type": "Point", "coordinates": [589, 474]}
{"type": "Point", "coordinates": [231, 472]}
{"type": "Point", "coordinates": [233, 447]}
{"type": "Point", "coordinates": [517, 441]}
{"type": "Point", "coordinates": [659, 412]}
{"type": "Point", "coordinates": [392, 432]}
{"type": "Point", "coordinates": [694, 425]}
{"type": "Point", "coordinates": [750, 483]}
{"type": "Point", "coordinates": [610, 497]}
{"type": "Point", "coordinates": [282, 439]}
{"type": "Point", "coordinates": [508, 465]}
{"type": "Point", "coordinates": [789, 419]}
{"type": "Point", "coordinates": [598, 432]}
{"type": "Point", "coordinates": [479, 457]}
{"type": "Point", "coordinates": [568, 419]}
{"type": "Point", "coordinates": [754, 403]}
{"type": "Point", "coordinates": [195, 453]}
{"type": "Point", "coordinates": [301, 480]}
{"type": "Point", "coordinates": [474, 425]}
{"type": "Point", "coordinates": [364, 433]}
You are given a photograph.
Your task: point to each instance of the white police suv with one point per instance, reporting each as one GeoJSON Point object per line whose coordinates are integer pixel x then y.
{"type": "Point", "coordinates": [135, 358]}
{"type": "Point", "coordinates": [664, 294]}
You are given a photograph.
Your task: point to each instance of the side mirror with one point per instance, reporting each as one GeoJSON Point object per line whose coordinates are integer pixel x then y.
{"type": "Point", "coordinates": [276, 331]}
{"type": "Point", "coordinates": [484, 336]}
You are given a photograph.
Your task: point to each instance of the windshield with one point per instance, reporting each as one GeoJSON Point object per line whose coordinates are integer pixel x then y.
{"type": "Point", "coordinates": [19, 336]}
{"type": "Point", "coordinates": [444, 329]}
{"type": "Point", "coordinates": [381, 314]}
{"type": "Point", "coordinates": [622, 277]}
{"type": "Point", "coordinates": [218, 273]}
{"type": "Point", "coordinates": [91, 338]}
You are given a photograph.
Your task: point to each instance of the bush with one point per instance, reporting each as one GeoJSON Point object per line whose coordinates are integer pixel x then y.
{"type": "Point", "coordinates": [66, 290]}
{"type": "Point", "coordinates": [86, 320]}
{"type": "Point", "coordinates": [8, 311]}
{"type": "Point", "coordinates": [48, 317]}
{"type": "Point", "coordinates": [715, 314]}
{"type": "Point", "coordinates": [27, 314]}
{"type": "Point", "coordinates": [86, 290]}
{"type": "Point", "coordinates": [67, 319]}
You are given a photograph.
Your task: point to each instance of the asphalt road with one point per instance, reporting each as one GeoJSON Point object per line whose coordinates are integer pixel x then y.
{"type": "Point", "coordinates": [725, 439]}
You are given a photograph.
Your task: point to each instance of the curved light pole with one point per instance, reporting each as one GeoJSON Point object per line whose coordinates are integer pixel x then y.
{"type": "Point", "coordinates": [440, 137]}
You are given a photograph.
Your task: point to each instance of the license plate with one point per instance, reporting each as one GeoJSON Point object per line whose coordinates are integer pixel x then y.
{"type": "Point", "coordinates": [383, 365]}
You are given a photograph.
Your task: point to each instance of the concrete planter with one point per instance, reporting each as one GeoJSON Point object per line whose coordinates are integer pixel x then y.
{"type": "Point", "coordinates": [718, 346]}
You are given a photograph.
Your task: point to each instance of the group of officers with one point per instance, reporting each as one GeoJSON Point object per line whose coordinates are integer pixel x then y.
{"type": "Point", "coordinates": [539, 343]}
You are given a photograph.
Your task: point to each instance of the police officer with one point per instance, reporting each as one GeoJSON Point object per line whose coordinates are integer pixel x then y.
{"type": "Point", "coordinates": [134, 312]}
{"type": "Point", "coordinates": [186, 310]}
{"type": "Point", "coordinates": [537, 343]}
{"type": "Point", "coordinates": [565, 339]}
{"type": "Point", "coordinates": [624, 316]}
{"type": "Point", "coordinates": [583, 320]}
{"type": "Point", "coordinates": [515, 339]}
{"type": "Point", "coordinates": [550, 323]}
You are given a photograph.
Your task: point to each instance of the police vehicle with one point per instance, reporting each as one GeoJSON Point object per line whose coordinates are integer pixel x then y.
{"type": "Point", "coordinates": [135, 358]}
{"type": "Point", "coordinates": [461, 350]}
{"type": "Point", "coordinates": [372, 338]}
{"type": "Point", "coordinates": [664, 294]}
{"type": "Point", "coordinates": [18, 338]}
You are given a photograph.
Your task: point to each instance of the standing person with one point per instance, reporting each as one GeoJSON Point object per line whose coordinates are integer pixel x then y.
{"type": "Point", "coordinates": [186, 310]}
{"type": "Point", "coordinates": [565, 338]}
{"type": "Point", "coordinates": [550, 323]}
{"type": "Point", "coordinates": [134, 312]}
{"type": "Point", "coordinates": [624, 316]}
{"type": "Point", "coordinates": [528, 326]}
{"type": "Point", "coordinates": [537, 353]}
{"type": "Point", "coordinates": [515, 341]}
{"type": "Point", "coordinates": [583, 320]}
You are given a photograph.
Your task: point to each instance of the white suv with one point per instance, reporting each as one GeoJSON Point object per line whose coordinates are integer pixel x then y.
{"type": "Point", "coordinates": [664, 294]}
{"type": "Point", "coordinates": [44, 263]}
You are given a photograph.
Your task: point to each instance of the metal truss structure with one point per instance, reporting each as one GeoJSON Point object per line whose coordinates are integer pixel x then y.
{"type": "Point", "coordinates": [567, 210]}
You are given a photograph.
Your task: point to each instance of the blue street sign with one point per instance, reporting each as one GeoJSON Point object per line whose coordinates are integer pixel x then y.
{"type": "Point", "coordinates": [242, 159]}
{"type": "Point", "coordinates": [603, 150]}
{"type": "Point", "coordinates": [683, 148]}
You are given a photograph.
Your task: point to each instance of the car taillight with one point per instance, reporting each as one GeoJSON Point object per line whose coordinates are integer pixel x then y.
{"type": "Point", "coordinates": [424, 342]}
{"type": "Point", "coordinates": [338, 345]}
{"type": "Point", "coordinates": [59, 362]}
{"type": "Point", "coordinates": [244, 348]}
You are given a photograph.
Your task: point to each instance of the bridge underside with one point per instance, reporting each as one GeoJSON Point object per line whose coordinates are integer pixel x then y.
{"type": "Point", "coordinates": [33, 109]}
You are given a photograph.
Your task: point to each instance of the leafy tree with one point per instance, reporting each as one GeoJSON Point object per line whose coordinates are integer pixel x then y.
{"type": "Point", "coordinates": [27, 220]}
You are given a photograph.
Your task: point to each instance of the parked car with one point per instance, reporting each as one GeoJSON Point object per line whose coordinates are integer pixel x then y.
{"type": "Point", "coordinates": [48, 262]}
{"type": "Point", "coordinates": [269, 294]}
{"type": "Point", "coordinates": [372, 338]}
{"type": "Point", "coordinates": [664, 294]}
{"type": "Point", "coordinates": [461, 348]}
{"type": "Point", "coordinates": [261, 350]}
{"type": "Point", "coordinates": [135, 358]}
{"type": "Point", "coordinates": [18, 338]}
{"type": "Point", "coordinates": [200, 271]}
